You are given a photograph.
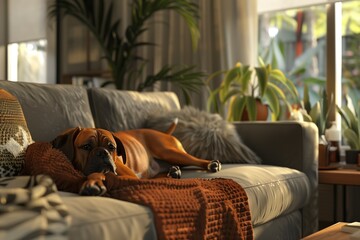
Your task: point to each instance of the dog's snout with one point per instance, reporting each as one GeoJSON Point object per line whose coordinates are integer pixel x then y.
{"type": "Point", "coordinates": [99, 160]}
{"type": "Point", "coordinates": [102, 153]}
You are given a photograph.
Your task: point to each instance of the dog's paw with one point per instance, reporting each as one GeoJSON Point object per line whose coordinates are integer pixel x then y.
{"type": "Point", "coordinates": [93, 190]}
{"type": "Point", "coordinates": [174, 172]}
{"type": "Point", "coordinates": [214, 166]}
{"type": "Point", "coordinates": [93, 186]}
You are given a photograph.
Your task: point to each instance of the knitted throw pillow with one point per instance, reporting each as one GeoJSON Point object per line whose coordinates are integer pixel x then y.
{"type": "Point", "coordinates": [14, 135]}
{"type": "Point", "coordinates": [205, 135]}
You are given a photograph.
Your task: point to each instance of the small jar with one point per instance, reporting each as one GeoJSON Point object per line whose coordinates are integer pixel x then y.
{"type": "Point", "coordinates": [333, 136]}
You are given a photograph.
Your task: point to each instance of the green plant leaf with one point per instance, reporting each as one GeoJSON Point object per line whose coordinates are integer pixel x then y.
{"type": "Point", "coordinates": [320, 81]}
{"type": "Point", "coordinates": [236, 108]}
{"type": "Point", "coordinates": [353, 119]}
{"type": "Point", "coordinates": [306, 99]}
{"type": "Point", "coordinates": [307, 117]}
{"type": "Point", "coordinates": [231, 76]}
{"type": "Point", "coordinates": [261, 62]}
{"type": "Point", "coordinates": [212, 102]}
{"type": "Point", "coordinates": [315, 114]}
{"type": "Point", "coordinates": [231, 93]}
{"type": "Point", "coordinates": [262, 77]}
{"type": "Point", "coordinates": [273, 101]}
{"type": "Point", "coordinates": [344, 116]}
{"type": "Point", "coordinates": [213, 75]}
{"type": "Point", "coordinates": [276, 73]}
{"type": "Point", "coordinates": [251, 107]}
{"type": "Point", "coordinates": [297, 71]}
{"type": "Point", "coordinates": [277, 91]}
{"type": "Point", "coordinates": [278, 76]}
{"type": "Point", "coordinates": [351, 138]}
{"type": "Point", "coordinates": [245, 80]}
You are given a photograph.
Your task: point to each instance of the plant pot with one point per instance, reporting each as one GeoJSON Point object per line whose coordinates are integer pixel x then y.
{"type": "Point", "coordinates": [323, 152]}
{"type": "Point", "coordinates": [262, 112]}
{"type": "Point", "coordinates": [351, 156]}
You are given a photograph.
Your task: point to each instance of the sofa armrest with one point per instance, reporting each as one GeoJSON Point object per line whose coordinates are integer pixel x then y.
{"type": "Point", "coordinates": [289, 144]}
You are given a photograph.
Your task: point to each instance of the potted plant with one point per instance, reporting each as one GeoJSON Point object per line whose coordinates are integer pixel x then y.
{"type": "Point", "coordinates": [317, 113]}
{"type": "Point", "coordinates": [351, 127]}
{"type": "Point", "coordinates": [123, 61]}
{"type": "Point", "coordinates": [246, 91]}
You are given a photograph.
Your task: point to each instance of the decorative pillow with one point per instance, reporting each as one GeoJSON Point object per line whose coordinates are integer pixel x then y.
{"type": "Point", "coordinates": [14, 135]}
{"type": "Point", "coordinates": [205, 135]}
{"type": "Point", "coordinates": [32, 209]}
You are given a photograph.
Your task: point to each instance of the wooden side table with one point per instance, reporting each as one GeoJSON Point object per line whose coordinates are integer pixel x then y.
{"type": "Point", "coordinates": [330, 233]}
{"type": "Point", "coordinates": [342, 177]}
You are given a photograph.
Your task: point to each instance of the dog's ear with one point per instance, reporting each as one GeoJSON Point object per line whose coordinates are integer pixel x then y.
{"type": "Point", "coordinates": [65, 142]}
{"type": "Point", "coordinates": [120, 149]}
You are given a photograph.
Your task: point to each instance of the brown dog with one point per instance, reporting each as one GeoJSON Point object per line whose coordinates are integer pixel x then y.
{"type": "Point", "coordinates": [133, 153]}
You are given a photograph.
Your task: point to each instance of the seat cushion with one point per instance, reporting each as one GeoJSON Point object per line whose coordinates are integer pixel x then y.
{"type": "Point", "coordinates": [105, 218]}
{"type": "Point", "coordinates": [272, 191]}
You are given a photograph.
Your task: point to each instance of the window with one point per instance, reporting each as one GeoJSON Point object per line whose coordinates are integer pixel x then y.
{"type": "Point", "coordinates": [351, 51]}
{"type": "Point", "coordinates": [27, 61]}
{"type": "Point", "coordinates": [296, 40]}
{"type": "Point", "coordinates": [26, 42]}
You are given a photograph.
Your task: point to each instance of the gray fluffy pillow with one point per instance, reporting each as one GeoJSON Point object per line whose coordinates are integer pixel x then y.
{"type": "Point", "coordinates": [205, 135]}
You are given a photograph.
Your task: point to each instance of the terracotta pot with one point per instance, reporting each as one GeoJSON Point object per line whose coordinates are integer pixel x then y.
{"type": "Point", "coordinates": [262, 112]}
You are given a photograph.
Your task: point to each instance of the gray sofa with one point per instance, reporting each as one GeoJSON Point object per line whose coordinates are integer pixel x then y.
{"type": "Point", "coordinates": [282, 191]}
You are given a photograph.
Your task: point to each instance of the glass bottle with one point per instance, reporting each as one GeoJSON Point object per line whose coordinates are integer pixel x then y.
{"type": "Point", "coordinates": [333, 136]}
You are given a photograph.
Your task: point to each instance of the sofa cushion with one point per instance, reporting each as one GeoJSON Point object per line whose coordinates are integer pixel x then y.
{"type": "Point", "coordinates": [204, 135]}
{"type": "Point", "coordinates": [117, 110]}
{"type": "Point", "coordinates": [272, 191]}
{"type": "Point", "coordinates": [105, 218]}
{"type": "Point", "coordinates": [51, 109]}
{"type": "Point", "coordinates": [14, 135]}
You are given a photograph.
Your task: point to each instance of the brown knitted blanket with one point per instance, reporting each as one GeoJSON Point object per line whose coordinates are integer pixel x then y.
{"type": "Point", "coordinates": [183, 209]}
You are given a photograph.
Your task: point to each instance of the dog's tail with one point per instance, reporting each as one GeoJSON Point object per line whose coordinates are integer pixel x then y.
{"type": "Point", "coordinates": [172, 127]}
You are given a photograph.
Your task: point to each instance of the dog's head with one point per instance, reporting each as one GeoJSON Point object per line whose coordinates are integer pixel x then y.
{"type": "Point", "coordinates": [91, 149]}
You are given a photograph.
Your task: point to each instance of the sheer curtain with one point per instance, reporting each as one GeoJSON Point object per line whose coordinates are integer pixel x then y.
{"type": "Point", "coordinates": [228, 34]}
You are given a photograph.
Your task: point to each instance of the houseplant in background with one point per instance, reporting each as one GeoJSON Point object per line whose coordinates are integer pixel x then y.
{"type": "Point", "coordinates": [244, 91]}
{"type": "Point", "coordinates": [318, 113]}
{"type": "Point", "coordinates": [351, 126]}
{"type": "Point", "coordinates": [119, 49]}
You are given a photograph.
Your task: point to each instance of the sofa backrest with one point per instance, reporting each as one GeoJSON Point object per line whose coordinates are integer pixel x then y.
{"type": "Point", "coordinates": [117, 110]}
{"type": "Point", "coordinates": [50, 109]}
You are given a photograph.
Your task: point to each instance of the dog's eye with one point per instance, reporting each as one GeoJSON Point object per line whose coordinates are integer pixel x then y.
{"type": "Point", "coordinates": [86, 147]}
{"type": "Point", "coordinates": [111, 147]}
